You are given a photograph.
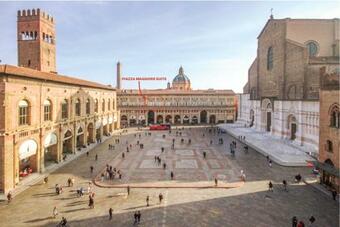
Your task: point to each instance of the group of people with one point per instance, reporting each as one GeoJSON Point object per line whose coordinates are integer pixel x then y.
{"type": "Point", "coordinates": [297, 223]}
{"type": "Point", "coordinates": [111, 173]}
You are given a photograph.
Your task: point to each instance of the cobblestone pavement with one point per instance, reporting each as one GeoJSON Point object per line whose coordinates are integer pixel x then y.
{"type": "Point", "coordinates": [249, 205]}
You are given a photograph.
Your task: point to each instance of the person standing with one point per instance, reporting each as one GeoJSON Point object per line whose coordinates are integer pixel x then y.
{"type": "Point", "coordinates": [204, 154]}
{"type": "Point", "coordinates": [284, 182]}
{"type": "Point", "coordinates": [139, 215]}
{"type": "Point", "coordinates": [123, 155]}
{"type": "Point", "coordinates": [87, 153]}
{"type": "Point", "coordinates": [147, 201]}
{"type": "Point", "coordinates": [55, 212]}
{"type": "Point", "coordinates": [294, 221]}
{"type": "Point", "coordinates": [128, 189]}
{"type": "Point", "coordinates": [135, 215]}
{"type": "Point", "coordinates": [160, 196]}
{"type": "Point", "coordinates": [110, 213]}
{"type": "Point", "coordinates": [270, 185]}
{"type": "Point", "coordinates": [172, 175]}
{"type": "Point", "coordinates": [96, 157]}
{"type": "Point", "coordinates": [91, 169]}
{"type": "Point", "coordinates": [216, 182]}
{"type": "Point", "coordinates": [270, 163]}
{"type": "Point", "coordinates": [9, 197]}
{"type": "Point", "coordinates": [334, 194]}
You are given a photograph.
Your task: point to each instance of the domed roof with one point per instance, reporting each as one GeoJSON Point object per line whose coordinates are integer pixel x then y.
{"type": "Point", "coordinates": [181, 78]}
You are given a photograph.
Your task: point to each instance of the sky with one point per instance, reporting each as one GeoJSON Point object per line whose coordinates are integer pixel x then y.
{"type": "Point", "coordinates": [215, 42]}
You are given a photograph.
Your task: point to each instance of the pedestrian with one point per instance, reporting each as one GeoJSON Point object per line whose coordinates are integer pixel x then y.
{"type": "Point", "coordinates": [110, 213]}
{"type": "Point", "coordinates": [204, 154]}
{"type": "Point", "coordinates": [155, 158]}
{"type": "Point", "coordinates": [9, 197]}
{"type": "Point", "coordinates": [135, 215]}
{"type": "Point", "coordinates": [294, 221]}
{"type": "Point", "coordinates": [267, 157]}
{"type": "Point", "coordinates": [301, 224]}
{"type": "Point", "coordinates": [284, 182]}
{"type": "Point", "coordinates": [96, 158]}
{"type": "Point", "coordinates": [69, 182]}
{"type": "Point", "coordinates": [172, 175]}
{"type": "Point", "coordinates": [270, 163]}
{"type": "Point", "coordinates": [311, 220]}
{"type": "Point", "coordinates": [162, 149]}
{"type": "Point", "coordinates": [63, 222]}
{"type": "Point", "coordinates": [128, 190]}
{"type": "Point", "coordinates": [147, 200]}
{"type": "Point", "coordinates": [91, 169]}
{"type": "Point", "coordinates": [216, 181]}
{"type": "Point", "coordinates": [139, 215]}
{"type": "Point", "coordinates": [334, 194]}
{"type": "Point", "coordinates": [55, 212]}
{"type": "Point", "coordinates": [270, 185]}
{"type": "Point", "coordinates": [102, 177]}
{"type": "Point", "coordinates": [211, 142]}
{"type": "Point", "coordinates": [123, 155]}
{"type": "Point", "coordinates": [164, 165]}
{"type": "Point", "coordinates": [160, 196]}
{"type": "Point", "coordinates": [91, 202]}
{"type": "Point", "coordinates": [120, 176]}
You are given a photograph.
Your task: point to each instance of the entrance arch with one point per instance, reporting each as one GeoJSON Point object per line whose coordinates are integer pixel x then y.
{"type": "Point", "coordinates": [90, 138]}
{"type": "Point", "coordinates": [203, 117]}
{"type": "Point", "coordinates": [194, 120]}
{"type": "Point", "coordinates": [177, 119]}
{"type": "Point", "coordinates": [28, 157]}
{"type": "Point", "coordinates": [50, 149]}
{"type": "Point", "coordinates": [123, 120]}
{"type": "Point", "coordinates": [151, 117]}
{"type": "Point", "coordinates": [80, 138]}
{"type": "Point", "coordinates": [212, 119]}
{"type": "Point", "coordinates": [327, 178]}
{"type": "Point", "coordinates": [159, 119]}
{"type": "Point", "coordinates": [68, 142]}
{"type": "Point", "coordinates": [292, 126]}
{"type": "Point", "coordinates": [186, 119]}
{"type": "Point", "coordinates": [168, 119]}
{"type": "Point", "coordinates": [267, 111]}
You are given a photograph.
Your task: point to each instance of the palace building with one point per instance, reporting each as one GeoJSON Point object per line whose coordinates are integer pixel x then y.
{"type": "Point", "coordinates": [45, 116]}
{"type": "Point", "coordinates": [329, 145]}
{"type": "Point", "coordinates": [177, 104]}
{"type": "Point", "coordinates": [281, 96]}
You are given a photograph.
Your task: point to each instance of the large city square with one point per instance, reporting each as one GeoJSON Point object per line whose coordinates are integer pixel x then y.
{"type": "Point", "coordinates": [248, 204]}
{"type": "Point", "coordinates": [169, 113]}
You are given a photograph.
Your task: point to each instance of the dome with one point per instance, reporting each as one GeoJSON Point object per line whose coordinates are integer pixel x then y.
{"type": "Point", "coordinates": [181, 78]}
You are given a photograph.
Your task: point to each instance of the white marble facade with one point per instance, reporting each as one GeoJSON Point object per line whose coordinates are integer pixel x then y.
{"type": "Point", "coordinates": [296, 121]}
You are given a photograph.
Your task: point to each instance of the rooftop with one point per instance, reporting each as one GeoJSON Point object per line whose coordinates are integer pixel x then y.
{"type": "Point", "coordinates": [49, 77]}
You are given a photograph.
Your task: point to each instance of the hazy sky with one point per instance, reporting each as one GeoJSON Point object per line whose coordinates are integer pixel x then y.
{"type": "Point", "coordinates": [215, 42]}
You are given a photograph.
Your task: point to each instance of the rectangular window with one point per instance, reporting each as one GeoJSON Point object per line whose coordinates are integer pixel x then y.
{"type": "Point", "coordinates": [64, 111]}
{"type": "Point", "coordinates": [23, 115]}
{"type": "Point", "coordinates": [47, 113]}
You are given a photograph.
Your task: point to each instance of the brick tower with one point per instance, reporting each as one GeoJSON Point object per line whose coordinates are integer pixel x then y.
{"type": "Point", "coordinates": [36, 40]}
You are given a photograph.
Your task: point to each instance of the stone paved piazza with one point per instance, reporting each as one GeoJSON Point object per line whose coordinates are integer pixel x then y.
{"type": "Point", "coordinates": [245, 205]}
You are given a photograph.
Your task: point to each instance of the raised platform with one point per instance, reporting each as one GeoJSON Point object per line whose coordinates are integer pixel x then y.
{"type": "Point", "coordinates": [280, 151]}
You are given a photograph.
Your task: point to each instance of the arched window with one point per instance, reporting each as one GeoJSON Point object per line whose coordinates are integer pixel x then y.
{"type": "Point", "coordinates": [24, 112]}
{"type": "Point", "coordinates": [335, 117]}
{"type": "Point", "coordinates": [78, 107]}
{"type": "Point", "coordinates": [88, 106]}
{"type": "Point", "coordinates": [270, 58]}
{"type": "Point", "coordinates": [109, 105]}
{"type": "Point", "coordinates": [47, 110]}
{"type": "Point", "coordinates": [103, 105]}
{"type": "Point", "coordinates": [64, 109]}
{"type": "Point", "coordinates": [96, 106]}
{"type": "Point", "coordinates": [312, 47]}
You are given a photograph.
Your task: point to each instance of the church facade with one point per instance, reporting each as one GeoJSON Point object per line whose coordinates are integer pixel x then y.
{"type": "Point", "coordinates": [178, 104]}
{"type": "Point", "coordinates": [281, 96]}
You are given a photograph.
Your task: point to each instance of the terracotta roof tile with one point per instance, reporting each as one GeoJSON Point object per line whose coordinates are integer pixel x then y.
{"type": "Point", "coordinates": [39, 75]}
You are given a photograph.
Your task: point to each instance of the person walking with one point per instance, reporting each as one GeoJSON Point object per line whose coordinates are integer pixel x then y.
{"type": "Point", "coordinates": [164, 165]}
{"type": "Point", "coordinates": [9, 197]}
{"type": "Point", "coordinates": [147, 201]}
{"type": "Point", "coordinates": [160, 196]}
{"type": "Point", "coordinates": [139, 216]}
{"type": "Point", "coordinates": [216, 182]}
{"type": "Point", "coordinates": [55, 212]}
{"type": "Point", "coordinates": [87, 154]}
{"type": "Point", "coordinates": [96, 157]}
{"type": "Point", "coordinates": [135, 215]}
{"type": "Point", "coordinates": [311, 220]}
{"type": "Point", "coordinates": [128, 189]}
{"type": "Point", "coordinates": [69, 182]}
{"type": "Point", "coordinates": [334, 194]}
{"type": "Point", "coordinates": [294, 221]}
{"type": "Point", "coordinates": [204, 154]}
{"type": "Point", "coordinates": [284, 182]}
{"type": "Point", "coordinates": [270, 185]}
{"type": "Point", "coordinates": [301, 224]}
{"type": "Point", "coordinates": [270, 163]}
{"type": "Point", "coordinates": [123, 155]}
{"type": "Point", "coordinates": [172, 175]}
{"type": "Point", "coordinates": [110, 213]}
{"type": "Point", "coordinates": [91, 169]}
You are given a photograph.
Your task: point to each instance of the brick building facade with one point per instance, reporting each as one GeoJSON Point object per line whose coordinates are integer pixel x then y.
{"type": "Point", "coordinates": [177, 104]}
{"type": "Point", "coordinates": [282, 92]}
{"type": "Point", "coordinates": [329, 127]}
{"type": "Point", "coordinates": [45, 116]}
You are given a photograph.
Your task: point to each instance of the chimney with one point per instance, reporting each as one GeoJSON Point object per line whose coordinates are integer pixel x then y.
{"type": "Point", "coordinates": [118, 84]}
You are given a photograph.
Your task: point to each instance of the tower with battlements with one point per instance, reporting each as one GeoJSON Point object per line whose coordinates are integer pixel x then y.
{"type": "Point", "coordinates": [36, 40]}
